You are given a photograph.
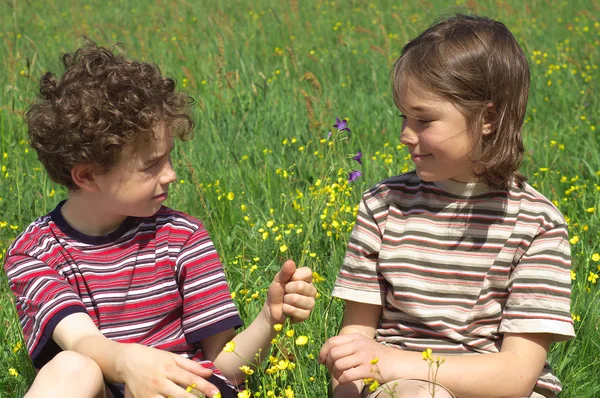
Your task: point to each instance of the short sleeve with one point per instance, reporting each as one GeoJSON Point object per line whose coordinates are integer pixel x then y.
{"type": "Point", "coordinates": [207, 305]}
{"type": "Point", "coordinates": [43, 297]}
{"type": "Point", "coordinates": [540, 288]}
{"type": "Point", "coordinates": [359, 279]}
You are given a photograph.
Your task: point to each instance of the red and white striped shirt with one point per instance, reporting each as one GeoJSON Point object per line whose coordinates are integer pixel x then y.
{"type": "Point", "coordinates": [455, 266]}
{"type": "Point", "coordinates": [156, 281]}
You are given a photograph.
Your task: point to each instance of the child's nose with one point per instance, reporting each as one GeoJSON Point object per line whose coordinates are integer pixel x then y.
{"type": "Point", "coordinates": [168, 175]}
{"type": "Point", "coordinates": [408, 136]}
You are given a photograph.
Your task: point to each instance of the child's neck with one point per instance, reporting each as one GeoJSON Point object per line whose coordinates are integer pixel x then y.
{"type": "Point", "coordinates": [87, 217]}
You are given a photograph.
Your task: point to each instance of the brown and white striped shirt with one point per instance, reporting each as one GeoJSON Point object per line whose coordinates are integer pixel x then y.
{"type": "Point", "coordinates": [455, 266]}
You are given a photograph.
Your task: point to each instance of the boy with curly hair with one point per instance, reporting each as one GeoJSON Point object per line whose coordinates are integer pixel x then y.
{"type": "Point", "coordinates": [117, 294]}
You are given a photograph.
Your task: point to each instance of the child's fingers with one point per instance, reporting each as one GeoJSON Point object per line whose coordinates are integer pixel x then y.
{"type": "Point", "coordinates": [191, 373]}
{"type": "Point", "coordinates": [347, 369]}
{"type": "Point", "coordinates": [344, 364]}
{"type": "Point", "coordinates": [192, 366]}
{"type": "Point", "coordinates": [296, 314]}
{"type": "Point", "coordinates": [331, 343]}
{"type": "Point", "coordinates": [171, 389]}
{"type": "Point", "coordinates": [298, 306]}
{"type": "Point", "coordinates": [187, 379]}
{"type": "Point", "coordinates": [301, 287]}
{"type": "Point", "coordinates": [302, 274]}
{"type": "Point", "coordinates": [299, 301]}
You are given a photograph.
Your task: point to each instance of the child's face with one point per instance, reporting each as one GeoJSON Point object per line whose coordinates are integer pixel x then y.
{"type": "Point", "coordinates": [435, 132]}
{"type": "Point", "coordinates": [139, 183]}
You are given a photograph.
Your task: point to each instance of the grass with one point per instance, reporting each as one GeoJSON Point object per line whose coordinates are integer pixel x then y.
{"type": "Point", "coordinates": [269, 79]}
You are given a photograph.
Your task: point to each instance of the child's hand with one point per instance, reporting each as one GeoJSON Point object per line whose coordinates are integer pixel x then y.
{"type": "Point", "coordinates": [150, 372]}
{"type": "Point", "coordinates": [351, 357]}
{"type": "Point", "coordinates": [291, 294]}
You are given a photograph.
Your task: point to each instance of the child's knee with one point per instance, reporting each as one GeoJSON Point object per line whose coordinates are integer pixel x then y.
{"type": "Point", "coordinates": [418, 389]}
{"type": "Point", "coordinates": [70, 365]}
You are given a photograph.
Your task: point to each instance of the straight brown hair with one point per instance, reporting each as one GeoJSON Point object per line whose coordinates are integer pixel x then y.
{"type": "Point", "coordinates": [474, 61]}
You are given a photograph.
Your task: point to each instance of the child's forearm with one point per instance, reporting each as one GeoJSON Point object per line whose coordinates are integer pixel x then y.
{"type": "Point", "coordinates": [467, 376]}
{"type": "Point", "coordinates": [251, 347]}
{"type": "Point", "coordinates": [106, 353]}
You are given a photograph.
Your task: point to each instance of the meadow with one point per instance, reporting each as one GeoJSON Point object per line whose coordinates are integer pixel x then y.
{"type": "Point", "coordinates": [269, 79]}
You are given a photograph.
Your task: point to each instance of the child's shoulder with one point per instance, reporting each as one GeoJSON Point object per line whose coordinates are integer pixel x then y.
{"type": "Point", "coordinates": [534, 203]}
{"type": "Point", "coordinates": [407, 183]}
{"type": "Point", "coordinates": [173, 218]}
{"type": "Point", "coordinates": [33, 238]}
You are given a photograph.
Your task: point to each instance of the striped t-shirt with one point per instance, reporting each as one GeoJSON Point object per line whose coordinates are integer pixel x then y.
{"type": "Point", "coordinates": [156, 281]}
{"type": "Point", "coordinates": [455, 266]}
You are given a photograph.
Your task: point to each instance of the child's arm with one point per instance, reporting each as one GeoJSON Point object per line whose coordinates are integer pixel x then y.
{"type": "Point", "coordinates": [290, 294]}
{"type": "Point", "coordinates": [145, 371]}
{"type": "Point", "coordinates": [362, 319]}
{"type": "Point", "coordinates": [511, 372]}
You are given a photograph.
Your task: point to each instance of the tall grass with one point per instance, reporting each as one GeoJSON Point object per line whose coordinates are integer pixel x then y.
{"type": "Point", "coordinates": [269, 79]}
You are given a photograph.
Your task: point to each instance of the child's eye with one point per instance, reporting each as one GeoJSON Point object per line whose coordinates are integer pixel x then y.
{"type": "Point", "coordinates": [151, 166]}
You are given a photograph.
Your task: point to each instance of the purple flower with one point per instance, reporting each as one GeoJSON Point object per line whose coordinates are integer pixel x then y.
{"type": "Point", "coordinates": [341, 125]}
{"type": "Point", "coordinates": [354, 174]}
{"type": "Point", "coordinates": [329, 135]}
{"type": "Point", "coordinates": [357, 157]}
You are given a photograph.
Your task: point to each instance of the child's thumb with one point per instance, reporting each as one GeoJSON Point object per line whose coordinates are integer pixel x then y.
{"type": "Point", "coordinates": [287, 271]}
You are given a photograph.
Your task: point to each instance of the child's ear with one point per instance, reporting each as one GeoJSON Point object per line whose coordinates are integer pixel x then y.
{"type": "Point", "coordinates": [83, 176]}
{"type": "Point", "coordinates": [489, 119]}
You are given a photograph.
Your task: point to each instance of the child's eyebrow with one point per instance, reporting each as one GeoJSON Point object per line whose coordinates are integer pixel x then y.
{"type": "Point", "coordinates": [421, 108]}
{"type": "Point", "coordinates": [156, 158]}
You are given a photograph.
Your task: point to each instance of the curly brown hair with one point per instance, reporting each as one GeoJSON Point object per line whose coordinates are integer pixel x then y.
{"type": "Point", "coordinates": [474, 61]}
{"type": "Point", "coordinates": [102, 106]}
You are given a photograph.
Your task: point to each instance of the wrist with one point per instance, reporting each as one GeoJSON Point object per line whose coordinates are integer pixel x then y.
{"type": "Point", "coordinates": [394, 364]}
{"type": "Point", "coordinates": [120, 363]}
{"type": "Point", "coordinates": [265, 316]}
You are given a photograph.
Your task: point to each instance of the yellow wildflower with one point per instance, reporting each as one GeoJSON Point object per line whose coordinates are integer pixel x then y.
{"type": "Point", "coordinates": [278, 327]}
{"type": "Point", "coordinates": [282, 365]}
{"type": "Point", "coordinates": [317, 278]}
{"type": "Point", "coordinates": [301, 340]}
{"type": "Point", "coordinates": [595, 257]}
{"type": "Point", "coordinates": [374, 385]}
{"type": "Point", "coordinates": [289, 393]}
{"type": "Point", "coordinates": [592, 277]}
{"type": "Point", "coordinates": [574, 240]}
{"type": "Point", "coordinates": [247, 370]}
{"type": "Point", "coordinates": [426, 354]}
{"type": "Point", "coordinates": [230, 195]}
{"type": "Point", "coordinates": [229, 347]}
{"type": "Point", "coordinates": [290, 333]}
{"type": "Point", "coordinates": [374, 361]}
{"type": "Point", "coordinates": [573, 275]}
{"type": "Point", "coordinates": [244, 394]}
{"type": "Point", "coordinates": [190, 388]}
{"type": "Point", "coordinates": [13, 372]}
{"type": "Point", "coordinates": [283, 248]}
{"type": "Point", "coordinates": [217, 395]}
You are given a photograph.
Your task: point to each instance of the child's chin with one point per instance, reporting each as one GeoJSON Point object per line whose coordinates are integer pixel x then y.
{"type": "Point", "coordinates": [428, 177]}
